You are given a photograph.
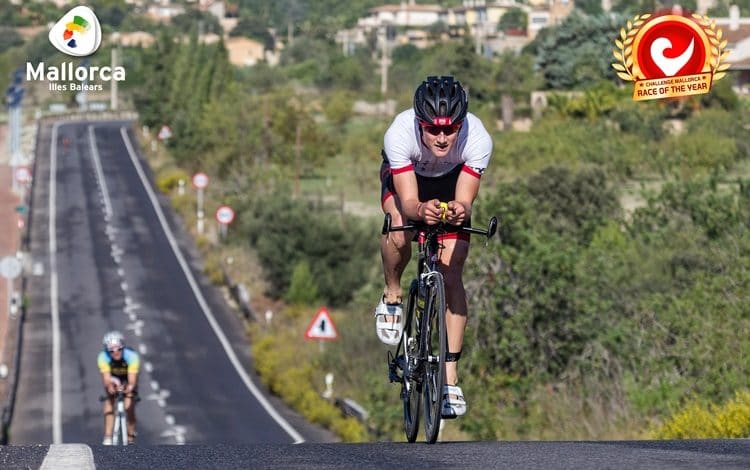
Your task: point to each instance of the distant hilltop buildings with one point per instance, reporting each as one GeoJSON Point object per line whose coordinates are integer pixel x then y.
{"type": "Point", "coordinates": [409, 23]}
{"type": "Point", "coordinates": [423, 25]}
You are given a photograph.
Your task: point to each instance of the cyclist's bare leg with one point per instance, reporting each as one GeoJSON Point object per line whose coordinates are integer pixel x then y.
{"type": "Point", "coordinates": [452, 259]}
{"type": "Point", "coordinates": [109, 416]}
{"type": "Point", "coordinates": [395, 250]}
{"type": "Point", "coordinates": [130, 417]}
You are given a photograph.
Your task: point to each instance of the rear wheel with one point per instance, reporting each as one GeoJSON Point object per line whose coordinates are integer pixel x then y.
{"type": "Point", "coordinates": [436, 344]}
{"type": "Point", "coordinates": [408, 350]}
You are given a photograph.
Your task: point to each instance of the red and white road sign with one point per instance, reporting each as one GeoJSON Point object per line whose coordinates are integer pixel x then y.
{"type": "Point", "coordinates": [164, 133]}
{"type": "Point", "coordinates": [23, 174]}
{"type": "Point", "coordinates": [200, 180]}
{"type": "Point", "coordinates": [224, 215]}
{"type": "Point", "coordinates": [322, 327]}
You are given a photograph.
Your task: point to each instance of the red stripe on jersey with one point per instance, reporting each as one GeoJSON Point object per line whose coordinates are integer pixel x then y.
{"type": "Point", "coordinates": [396, 171]}
{"type": "Point", "coordinates": [471, 171]}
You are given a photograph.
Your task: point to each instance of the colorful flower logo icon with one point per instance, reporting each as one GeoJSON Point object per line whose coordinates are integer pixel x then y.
{"type": "Point", "coordinates": [78, 33]}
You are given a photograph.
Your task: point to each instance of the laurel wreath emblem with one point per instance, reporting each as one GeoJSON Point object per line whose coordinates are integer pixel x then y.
{"type": "Point", "coordinates": [718, 54]}
{"type": "Point", "coordinates": [624, 51]}
{"type": "Point", "coordinates": [625, 45]}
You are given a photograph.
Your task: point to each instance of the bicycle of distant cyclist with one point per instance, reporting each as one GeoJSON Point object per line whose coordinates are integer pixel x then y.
{"type": "Point", "coordinates": [419, 363]}
{"type": "Point", "coordinates": [120, 424]}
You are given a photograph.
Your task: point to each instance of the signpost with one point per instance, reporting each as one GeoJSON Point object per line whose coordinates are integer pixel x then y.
{"type": "Point", "coordinates": [322, 328]}
{"type": "Point", "coordinates": [164, 133]}
{"type": "Point", "coordinates": [200, 182]}
{"type": "Point", "coordinates": [10, 268]}
{"type": "Point", "coordinates": [23, 174]}
{"type": "Point", "coordinates": [225, 216]}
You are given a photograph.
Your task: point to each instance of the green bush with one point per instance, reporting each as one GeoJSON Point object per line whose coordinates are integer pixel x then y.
{"type": "Point", "coordinates": [285, 372]}
{"type": "Point", "coordinates": [170, 177]}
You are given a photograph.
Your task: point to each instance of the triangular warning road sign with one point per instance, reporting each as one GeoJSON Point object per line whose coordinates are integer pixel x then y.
{"type": "Point", "coordinates": [322, 327]}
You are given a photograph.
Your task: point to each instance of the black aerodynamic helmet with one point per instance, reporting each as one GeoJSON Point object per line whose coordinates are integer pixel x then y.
{"type": "Point", "coordinates": [441, 101]}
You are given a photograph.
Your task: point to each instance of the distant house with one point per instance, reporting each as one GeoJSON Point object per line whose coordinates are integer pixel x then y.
{"type": "Point", "coordinates": [217, 8]}
{"type": "Point", "coordinates": [164, 13]}
{"type": "Point", "coordinates": [405, 14]}
{"type": "Point", "coordinates": [245, 52]}
{"type": "Point", "coordinates": [736, 31]}
{"type": "Point", "coordinates": [133, 39]}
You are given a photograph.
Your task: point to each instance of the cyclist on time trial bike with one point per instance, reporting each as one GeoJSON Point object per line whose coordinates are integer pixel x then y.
{"type": "Point", "coordinates": [119, 368]}
{"type": "Point", "coordinates": [434, 152]}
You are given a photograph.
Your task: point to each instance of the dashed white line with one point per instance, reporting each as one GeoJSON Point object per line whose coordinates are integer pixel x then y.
{"type": "Point", "coordinates": [142, 349]}
{"type": "Point", "coordinates": [100, 175]}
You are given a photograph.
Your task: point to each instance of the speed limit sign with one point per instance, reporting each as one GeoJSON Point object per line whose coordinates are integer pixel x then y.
{"type": "Point", "coordinates": [224, 215]}
{"type": "Point", "coordinates": [200, 180]}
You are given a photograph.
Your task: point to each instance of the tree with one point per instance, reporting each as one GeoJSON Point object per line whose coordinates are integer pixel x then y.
{"type": "Point", "coordinates": [578, 51]}
{"type": "Point", "coordinates": [254, 28]}
{"type": "Point", "coordinates": [302, 287]}
{"type": "Point", "coordinates": [513, 18]}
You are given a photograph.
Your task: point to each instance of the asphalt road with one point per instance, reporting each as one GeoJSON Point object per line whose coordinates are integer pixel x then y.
{"type": "Point", "coordinates": [703, 454]}
{"type": "Point", "coordinates": [111, 258]}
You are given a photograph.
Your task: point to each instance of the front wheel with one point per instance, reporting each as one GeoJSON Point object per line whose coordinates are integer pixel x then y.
{"type": "Point", "coordinates": [410, 388]}
{"type": "Point", "coordinates": [435, 337]}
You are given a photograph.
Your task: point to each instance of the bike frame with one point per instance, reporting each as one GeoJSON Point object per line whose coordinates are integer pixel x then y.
{"type": "Point", "coordinates": [120, 425]}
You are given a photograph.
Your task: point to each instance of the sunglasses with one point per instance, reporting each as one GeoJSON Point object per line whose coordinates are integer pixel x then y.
{"type": "Point", "coordinates": [436, 130]}
{"type": "Point", "coordinates": [114, 350]}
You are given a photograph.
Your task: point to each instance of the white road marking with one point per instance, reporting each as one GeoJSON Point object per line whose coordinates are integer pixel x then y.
{"type": "Point", "coordinates": [120, 272]}
{"type": "Point", "coordinates": [169, 419]}
{"type": "Point", "coordinates": [142, 349]}
{"type": "Point", "coordinates": [154, 385]}
{"type": "Point", "coordinates": [202, 302]}
{"type": "Point", "coordinates": [68, 457]}
{"type": "Point", "coordinates": [100, 175]}
{"type": "Point", "coordinates": [148, 367]}
{"type": "Point", "coordinates": [54, 308]}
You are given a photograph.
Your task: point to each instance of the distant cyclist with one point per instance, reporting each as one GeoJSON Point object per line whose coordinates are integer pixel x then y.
{"type": "Point", "coordinates": [119, 368]}
{"type": "Point", "coordinates": [434, 152]}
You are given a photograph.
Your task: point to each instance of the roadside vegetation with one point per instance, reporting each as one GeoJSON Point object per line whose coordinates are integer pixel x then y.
{"type": "Point", "coordinates": [615, 304]}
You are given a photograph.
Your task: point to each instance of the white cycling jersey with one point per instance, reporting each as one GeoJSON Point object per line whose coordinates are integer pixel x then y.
{"type": "Point", "coordinates": [405, 151]}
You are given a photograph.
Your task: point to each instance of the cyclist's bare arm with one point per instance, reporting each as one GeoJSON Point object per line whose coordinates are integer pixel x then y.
{"type": "Point", "coordinates": [467, 188]}
{"type": "Point", "coordinates": [132, 381]}
{"type": "Point", "coordinates": [109, 385]}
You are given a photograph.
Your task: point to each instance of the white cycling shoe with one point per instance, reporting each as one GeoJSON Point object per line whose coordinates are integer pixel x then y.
{"type": "Point", "coordinates": [454, 404]}
{"type": "Point", "coordinates": [107, 441]}
{"type": "Point", "coordinates": [388, 323]}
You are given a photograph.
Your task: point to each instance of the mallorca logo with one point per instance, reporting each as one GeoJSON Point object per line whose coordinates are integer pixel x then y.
{"type": "Point", "coordinates": [670, 55]}
{"type": "Point", "coordinates": [78, 33]}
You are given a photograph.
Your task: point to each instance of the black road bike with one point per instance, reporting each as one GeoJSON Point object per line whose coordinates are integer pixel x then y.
{"type": "Point", "coordinates": [419, 363]}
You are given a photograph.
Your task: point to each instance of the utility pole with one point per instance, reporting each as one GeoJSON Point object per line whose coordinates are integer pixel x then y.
{"type": "Point", "coordinates": [113, 104]}
{"type": "Point", "coordinates": [384, 62]}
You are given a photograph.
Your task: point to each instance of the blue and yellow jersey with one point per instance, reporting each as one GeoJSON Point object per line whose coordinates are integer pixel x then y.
{"type": "Point", "coordinates": [129, 364]}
